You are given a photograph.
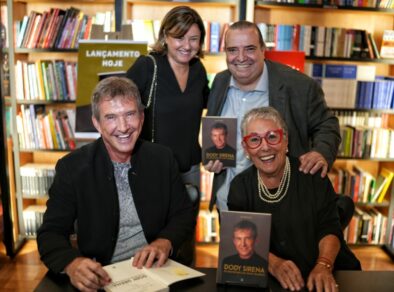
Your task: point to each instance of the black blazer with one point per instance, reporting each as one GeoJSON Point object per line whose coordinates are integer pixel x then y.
{"type": "Point", "coordinates": [84, 191]}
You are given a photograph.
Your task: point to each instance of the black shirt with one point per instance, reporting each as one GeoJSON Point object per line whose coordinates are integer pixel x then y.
{"type": "Point", "coordinates": [177, 114]}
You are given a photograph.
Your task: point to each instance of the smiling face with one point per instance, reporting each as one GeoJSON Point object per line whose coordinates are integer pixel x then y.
{"type": "Point", "coordinates": [182, 49]}
{"type": "Point", "coordinates": [120, 124]}
{"type": "Point", "coordinates": [269, 159]}
{"type": "Point", "coordinates": [218, 137]}
{"type": "Point", "coordinates": [243, 240]}
{"type": "Point", "coordinates": [244, 56]}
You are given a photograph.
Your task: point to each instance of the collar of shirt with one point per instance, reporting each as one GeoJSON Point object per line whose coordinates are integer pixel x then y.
{"type": "Point", "coordinates": [262, 84]}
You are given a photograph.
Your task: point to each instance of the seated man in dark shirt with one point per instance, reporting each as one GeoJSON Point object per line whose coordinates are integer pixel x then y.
{"type": "Point", "coordinates": [246, 265]}
{"type": "Point", "coordinates": [122, 196]}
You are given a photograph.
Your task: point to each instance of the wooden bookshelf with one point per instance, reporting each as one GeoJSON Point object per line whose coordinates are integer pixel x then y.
{"type": "Point", "coordinates": [372, 20]}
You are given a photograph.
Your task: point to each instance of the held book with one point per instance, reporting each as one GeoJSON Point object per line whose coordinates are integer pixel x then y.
{"type": "Point", "coordinates": [219, 140]}
{"type": "Point", "coordinates": [127, 278]}
{"type": "Point", "coordinates": [243, 248]}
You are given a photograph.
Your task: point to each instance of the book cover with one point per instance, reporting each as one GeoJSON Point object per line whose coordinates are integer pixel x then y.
{"type": "Point", "coordinates": [125, 277]}
{"type": "Point", "coordinates": [243, 248]}
{"type": "Point", "coordinates": [215, 37]}
{"type": "Point", "coordinates": [219, 140]}
{"type": "Point", "coordinates": [340, 71]}
{"type": "Point", "coordinates": [293, 59]}
{"type": "Point", "coordinates": [29, 28]}
{"type": "Point", "coordinates": [383, 182]}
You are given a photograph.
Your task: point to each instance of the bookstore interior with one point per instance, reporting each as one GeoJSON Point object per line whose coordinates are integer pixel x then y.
{"type": "Point", "coordinates": [346, 46]}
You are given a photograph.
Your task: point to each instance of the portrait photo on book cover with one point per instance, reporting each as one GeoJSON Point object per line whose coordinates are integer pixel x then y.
{"type": "Point", "coordinates": [219, 140]}
{"type": "Point", "coordinates": [243, 248]}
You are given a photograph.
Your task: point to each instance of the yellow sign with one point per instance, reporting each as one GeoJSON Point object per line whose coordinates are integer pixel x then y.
{"type": "Point", "coordinates": [96, 60]}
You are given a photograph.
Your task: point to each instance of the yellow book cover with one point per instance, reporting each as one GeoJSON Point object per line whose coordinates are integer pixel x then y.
{"type": "Point", "coordinates": [53, 130]}
{"type": "Point", "coordinates": [40, 81]}
{"type": "Point", "coordinates": [383, 182]}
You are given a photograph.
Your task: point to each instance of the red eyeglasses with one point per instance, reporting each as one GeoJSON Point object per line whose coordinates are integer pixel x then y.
{"type": "Point", "coordinates": [254, 140]}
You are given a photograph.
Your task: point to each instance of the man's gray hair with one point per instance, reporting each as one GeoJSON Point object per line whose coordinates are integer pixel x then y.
{"type": "Point", "coordinates": [111, 87]}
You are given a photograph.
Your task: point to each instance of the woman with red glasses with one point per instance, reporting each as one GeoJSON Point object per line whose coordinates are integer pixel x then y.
{"type": "Point", "coordinates": [306, 237]}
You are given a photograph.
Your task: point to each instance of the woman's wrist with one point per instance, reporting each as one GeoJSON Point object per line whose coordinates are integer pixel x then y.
{"type": "Point", "coordinates": [325, 262]}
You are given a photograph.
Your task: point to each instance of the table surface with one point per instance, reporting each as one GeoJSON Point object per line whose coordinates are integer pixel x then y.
{"type": "Point", "coordinates": [349, 281]}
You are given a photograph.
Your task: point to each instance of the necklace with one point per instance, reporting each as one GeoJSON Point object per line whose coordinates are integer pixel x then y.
{"type": "Point", "coordinates": [276, 197]}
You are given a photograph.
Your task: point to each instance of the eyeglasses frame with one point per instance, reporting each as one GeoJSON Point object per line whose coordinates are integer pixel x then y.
{"type": "Point", "coordinates": [245, 138]}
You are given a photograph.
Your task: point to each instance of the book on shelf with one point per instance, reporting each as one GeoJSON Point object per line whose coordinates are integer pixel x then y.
{"type": "Point", "coordinates": [387, 48]}
{"type": "Point", "coordinates": [383, 183]}
{"type": "Point", "coordinates": [219, 140]}
{"type": "Point", "coordinates": [293, 59]}
{"type": "Point", "coordinates": [367, 226]}
{"type": "Point", "coordinates": [36, 179]}
{"type": "Point", "coordinates": [317, 41]}
{"type": "Point", "coordinates": [214, 37]}
{"type": "Point", "coordinates": [207, 228]}
{"type": "Point", "coordinates": [125, 277]}
{"type": "Point", "coordinates": [31, 25]}
{"type": "Point", "coordinates": [33, 217]}
{"type": "Point", "coordinates": [239, 264]}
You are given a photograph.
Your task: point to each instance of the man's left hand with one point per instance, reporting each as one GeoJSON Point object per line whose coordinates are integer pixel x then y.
{"type": "Point", "coordinates": [321, 279]}
{"type": "Point", "coordinates": [158, 250]}
{"type": "Point", "coordinates": [313, 161]}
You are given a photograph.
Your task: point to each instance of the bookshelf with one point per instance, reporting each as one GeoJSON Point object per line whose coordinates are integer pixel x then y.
{"type": "Point", "coordinates": [373, 21]}
{"type": "Point", "coordinates": [34, 155]}
{"type": "Point", "coordinates": [26, 157]}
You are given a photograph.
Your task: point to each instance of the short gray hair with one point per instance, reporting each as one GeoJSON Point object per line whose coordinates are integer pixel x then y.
{"type": "Point", "coordinates": [264, 113]}
{"type": "Point", "coordinates": [112, 87]}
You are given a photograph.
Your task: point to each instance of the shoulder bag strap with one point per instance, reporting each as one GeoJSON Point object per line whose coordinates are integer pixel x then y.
{"type": "Point", "coordinates": [152, 91]}
{"type": "Point", "coordinates": [152, 95]}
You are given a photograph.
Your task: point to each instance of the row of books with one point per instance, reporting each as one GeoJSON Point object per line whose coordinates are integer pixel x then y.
{"type": "Point", "coordinates": [319, 41]}
{"type": "Point", "coordinates": [148, 30]}
{"type": "Point", "coordinates": [343, 71]}
{"type": "Point", "coordinates": [33, 217]}
{"type": "Point", "coordinates": [46, 80]}
{"type": "Point", "coordinates": [341, 3]}
{"type": "Point", "coordinates": [362, 142]}
{"type": "Point", "coordinates": [62, 29]}
{"type": "Point", "coordinates": [351, 93]}
{"type": "Point", "coordinates": [367, 227]}
{"type": "Point", "coordinates": [353, 86]}
{"type": "Point", "coordinates": [362, 119]}
{"type": "Point", "coordinates": [38, 129]}
{"type": "Point", "coordinates": [361, 185]}
{"type": "Point", "coordinates": [36, 179]}
{"type": "Point", "coordinates": [58, 28]}
{"type": "Point", "coordinates": [207, 228]}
